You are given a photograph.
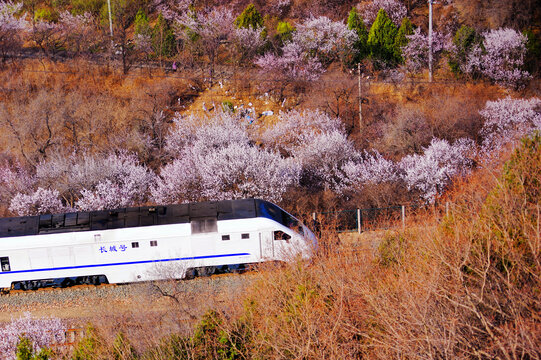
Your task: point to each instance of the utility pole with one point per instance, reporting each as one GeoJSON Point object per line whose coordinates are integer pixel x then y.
{"type": "Point", "coordinates": [360, 100]}
{"type": "Point", "coordinates": [111, 26]}
{"type": "Point", "coordinates": [430, 2]}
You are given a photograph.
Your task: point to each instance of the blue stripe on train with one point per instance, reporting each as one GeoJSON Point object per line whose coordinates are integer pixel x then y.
{"type": "Point", "coordinates": [125, 263]}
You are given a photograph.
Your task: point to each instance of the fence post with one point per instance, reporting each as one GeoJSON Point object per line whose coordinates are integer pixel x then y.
{"type": "Point", "coordinates": [403, 217]}
{"type": "Point", "coordinates": [314, 216]}
{"type": "Point", "coordinates": [359, 223]}
{"type": "Point", "coordinates": [447, 208]}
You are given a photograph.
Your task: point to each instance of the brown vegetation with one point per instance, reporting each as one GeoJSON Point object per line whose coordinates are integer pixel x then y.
{"type": "Point", "coordinates": [457, 286]}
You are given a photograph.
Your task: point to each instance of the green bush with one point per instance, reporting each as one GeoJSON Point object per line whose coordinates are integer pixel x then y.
{"type": "Point", "coordinates": [284, 31]}
{"type": "Point", "coordinates": [46, 14]}
{"type": "Point", "coordinates": [360, 48]}
{"type": "Point", "coordinates": [123, 349]}
{"type": "Point", "coordinates": [89, 347]}
{"type": "Point", "coordinates": [228, 106]}
{"type": "Point", "coordinates": [25, 351]}
{"type": "Point", "coordinates": [249, 18]}
{"type": "Point", "coordinates": [163, 38]}
{"type": "Point", "coordinates": [141, 23]}
{"type": "Point", "coordinates": [533, 54]}
{"type": "Point", "coordinates": [464, 40]}
{"type": "Point", "coordinates": [406, 28]}
{"type": "Point", "coordinates": [381, 38]}
{"type": "Point", "coordinates": [79, 7]}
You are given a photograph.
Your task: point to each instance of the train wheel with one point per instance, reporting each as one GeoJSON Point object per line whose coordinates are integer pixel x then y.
{"type": "Point", "coordinates": [190, 274]}
{"type": "Point", "coordinates": [206, 270]}
{"type": "Point", "coordinates": [67, 282]}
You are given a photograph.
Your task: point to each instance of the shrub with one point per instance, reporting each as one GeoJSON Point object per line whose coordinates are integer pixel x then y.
{"type": "Point", "coordinates": [249, 18]}
{"type": "Point", "coordinates": [79, 7]}
{"type": "Point", "coordinates": [401, 40]}
{"type": "Point", "coordinates": [356, 23]}
{"type": "Point", "coordinates": [284, 31]}
{"type": "Point", "coordinates": [465, 39]}
{"type": "Point", "coordinates": [163, 38]}
{"type": "Point", "coordinates": [381, 38]}
{"type": "Point", "coordinates": [91, 346]}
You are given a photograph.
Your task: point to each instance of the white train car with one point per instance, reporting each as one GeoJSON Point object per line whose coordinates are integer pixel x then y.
{"type": "Point", "coordinates": [146, 243]}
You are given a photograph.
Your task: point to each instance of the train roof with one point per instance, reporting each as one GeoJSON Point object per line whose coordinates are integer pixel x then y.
{"type": "Point", "coordinates": [135, 217]}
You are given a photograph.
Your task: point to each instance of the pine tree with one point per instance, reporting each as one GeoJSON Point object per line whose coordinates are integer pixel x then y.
{"type": "Point", "coordinates": [406, 28]}
{"type": "Point", "coordinates": [250, 18]}
{"type": "Point", "coordinates": [163, 39]}
{"type": "Point", "coordinates": [141, 23]}
{"type": "Point", "coordinates": [381, 38]}
{"type": "Point", "coordinates": [356, 23]}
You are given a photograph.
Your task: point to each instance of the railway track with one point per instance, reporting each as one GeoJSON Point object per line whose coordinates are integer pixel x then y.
{"type": "Point", "coordinates": [81, 303]}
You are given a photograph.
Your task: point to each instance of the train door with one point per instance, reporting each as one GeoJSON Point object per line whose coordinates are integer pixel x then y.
{"type": "Point", "coordinates": [266, 245]}
{"type": "Point", "coordinates": [281, 244]}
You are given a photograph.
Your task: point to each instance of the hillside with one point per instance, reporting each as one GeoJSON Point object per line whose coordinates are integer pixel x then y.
{"type": "Point", "coordinates": [319, 107]}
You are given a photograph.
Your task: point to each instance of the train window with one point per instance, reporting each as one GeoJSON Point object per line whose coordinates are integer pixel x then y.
{"type": "Point", "coordinates": [245, 236]}
{"type": "Point", "coordinates": [226, 237]}
{"type": "Point", "coordinates": [153, 243]}
{"type": "Point", "coordinates": [4, 264]}
{"type": "Point", "coordinates": [135, 244]}
{"type": "Point", "coordinates": [204, 225]}
{"type": "Point", "coordinates": [280, 235]}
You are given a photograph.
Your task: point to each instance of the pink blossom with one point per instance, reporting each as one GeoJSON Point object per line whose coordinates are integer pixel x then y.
{"type": "Point", "coordinates": [394, 9]}
{"type": "Point", "coordinates": [323, 38]}
{"type": "Point", "coordinates": [42, 201]}
{"type": "Point", "coordinates": [237, 170]}
{"type": "Point", "coordinates": [501, 58]}
{"type": "Point", "coordinates": [241, 171]}
{"type": "Point", "coordinates": [431, 172]}
{"type": "Point", "coordinates": [42, 332]}
{"type": "Point", "coordinates": [12, 29]}
{"type": "Point", "coordinates": [507, 120]}
{"type": "Point", "coordinates": [295, 128]}
{"type": "Point", "coordinates": [294, 64]}
{"type": "Point", "coordinates": [214, 158]}
{"type": "Point", "coordinates": [215, 131]}
{"type": "Point", "coordinates": [416, 51]}
{"type": "Point", "coordinates": [247, 41]}
{"type": "Point", "coordinates": [81, 180]}
{"type": "Point", "coordinates": [322, 159]}
{"type": "Point", "coordinates": [77, 30]}
{"type": "Point", "coordinates": [14, 179]}
{"type": "Point", "coordinates": [370, 168]}
{"type": "Point", "coordinates": [123, 182]}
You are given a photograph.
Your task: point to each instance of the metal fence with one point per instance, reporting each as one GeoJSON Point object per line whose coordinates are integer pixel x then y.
{"type": "Point", "coordinates": [359, 220]}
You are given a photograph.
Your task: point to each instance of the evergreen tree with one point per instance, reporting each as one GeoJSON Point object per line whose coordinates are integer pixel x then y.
{"type": "Point", "coordinates": [284, 31]}
{"type": "Point", "coordinates": [250, 18]}
{"type": "Point", "coordinates": [356, 23]}
{"type": "Point", "coordinates": [406, 28]}
{"type": "Point", "coordinates": [163, 39]}
{"type": "Point", "coordinates": [464, 40]}
{"type": "Point", "coordinates": [141, 23]}
{"type": "Point", "coordinates": [381, 38]}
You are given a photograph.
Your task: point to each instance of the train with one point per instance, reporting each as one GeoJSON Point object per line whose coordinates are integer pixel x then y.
{"type": "Point", "coordinates": [147, 243]}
